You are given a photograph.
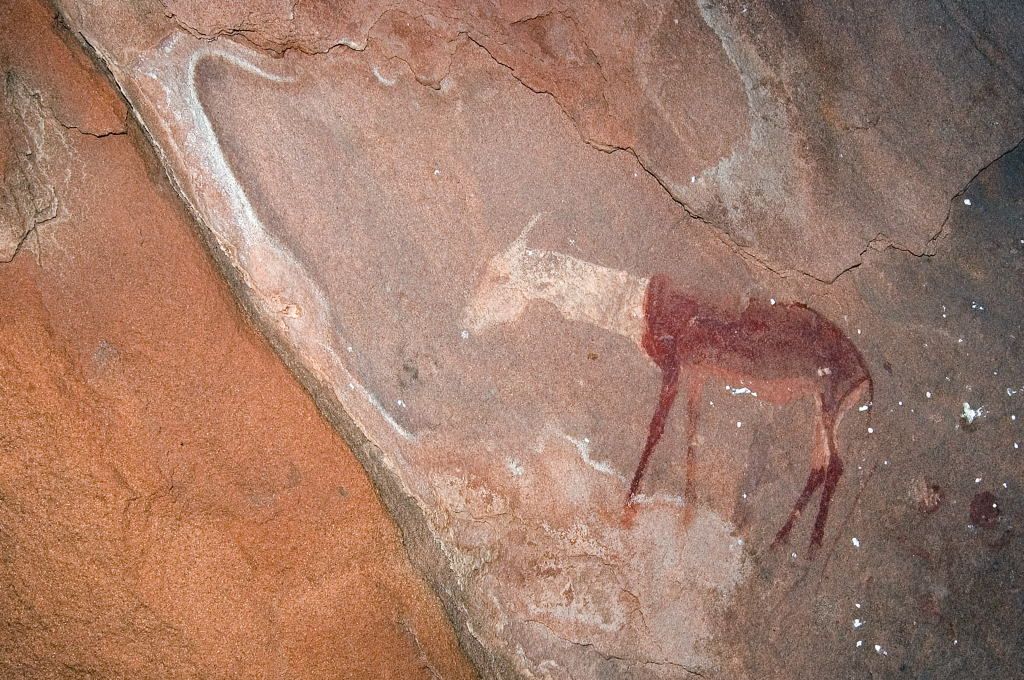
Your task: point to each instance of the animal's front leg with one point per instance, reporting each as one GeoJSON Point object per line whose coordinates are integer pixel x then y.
{"type": "Point", "coordinates": [667, 396]}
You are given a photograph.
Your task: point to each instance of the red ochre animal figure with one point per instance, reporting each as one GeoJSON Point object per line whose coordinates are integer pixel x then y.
{"type": "Point", "coordinates": [783, 352]}
{"type": "Point", "coordinates": [780, 351]}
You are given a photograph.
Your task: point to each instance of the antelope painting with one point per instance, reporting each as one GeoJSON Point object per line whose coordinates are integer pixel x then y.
{"type": "Point", "coordinates": [782, 352]}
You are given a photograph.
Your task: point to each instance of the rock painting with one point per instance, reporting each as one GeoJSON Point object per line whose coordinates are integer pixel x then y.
{"type": "Point", "coordinates": [394, 323]}
{"type": "Point", "coordinates": [781, 352]}
{"type": "Point", "coordinates": [363, 173]}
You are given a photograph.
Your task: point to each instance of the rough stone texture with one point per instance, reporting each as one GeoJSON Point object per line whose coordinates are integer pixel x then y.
{"type": "Point", "coordinates": [399, 191]}
{"type": "Point", "coordinates": [171, 503]}
{"type": "Point", "coordinates": [33, 123]}
{"type": "Point", "coordinates": [807, 133]}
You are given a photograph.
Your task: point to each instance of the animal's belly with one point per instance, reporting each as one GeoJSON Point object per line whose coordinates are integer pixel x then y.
{"type": "Point", "coordinates": [772, 390]}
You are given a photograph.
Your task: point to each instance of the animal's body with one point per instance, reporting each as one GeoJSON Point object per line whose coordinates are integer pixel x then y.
{"type": "Point", "coordinates": [780, 351]}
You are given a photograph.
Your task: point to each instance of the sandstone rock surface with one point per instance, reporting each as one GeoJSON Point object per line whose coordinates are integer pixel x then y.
{"type": "Point", "coordinates": [171, 503]}
{"type": "Point", "coordinates": [446, 218]}
{"type": "Point", "coordinates": [806, 133]}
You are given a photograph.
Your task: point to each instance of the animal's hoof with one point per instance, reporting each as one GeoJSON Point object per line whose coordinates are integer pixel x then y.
{"type": "Point", "coordinates": [629, 514]}
{"type": "Point", "coordinates": [688, 515]}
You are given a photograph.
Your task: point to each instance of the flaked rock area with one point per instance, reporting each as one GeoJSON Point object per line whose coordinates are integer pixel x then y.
{"type": "Point", "coordinates": [680, 339]}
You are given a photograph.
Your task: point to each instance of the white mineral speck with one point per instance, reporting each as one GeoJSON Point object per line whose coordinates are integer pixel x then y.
{"type": "Point", "coordinates": [967, 201]}
{"type": "Point", "coordinates": [772, 301]}
{"type": "Point", "coordinates": [871, 430]}
{"type": "Point", "coordinates": [739, 423]}
{"type": "Point", "coordinates": [465, 335]}
{"type": "Point", "coordinates": [971, 414]}
{"type": "Point", "coordinates": [928, 394]}
{"type": "Point", "coordinates": [855, 541]}
{"type": "Point", "coordinates": [857, 623]}
{"type": "Point", "coordinates": [860, 643]}
{"type": "Point", "coordinates": [977, 480]}
{"type": "Point", "coordinates": [400, 403]}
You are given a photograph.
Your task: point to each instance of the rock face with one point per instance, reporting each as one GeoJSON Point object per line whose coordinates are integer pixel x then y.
{"type": "Point", "coordinates": [171, 503]}
{"type": "Point", "coordinates": [449, 218]}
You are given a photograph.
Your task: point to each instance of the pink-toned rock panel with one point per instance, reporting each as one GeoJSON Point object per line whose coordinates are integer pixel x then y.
{"type": "Point", "coordinates": [679, 338]}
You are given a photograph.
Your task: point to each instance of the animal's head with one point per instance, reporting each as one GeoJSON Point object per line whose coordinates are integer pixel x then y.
{"type": "Point", "coordinates": [500, 296]}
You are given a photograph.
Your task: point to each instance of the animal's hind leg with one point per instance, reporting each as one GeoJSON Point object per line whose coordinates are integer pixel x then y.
{"type": "Point", "coordinates": [832, 474]}
{"type": "Point", "coordinates": [835, 465]}
{"type": "Point", "coordinates": [819, 462]}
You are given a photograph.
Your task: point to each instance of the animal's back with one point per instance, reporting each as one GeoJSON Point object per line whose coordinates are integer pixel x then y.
{"type": "Point", "coordinates": [763, 342]}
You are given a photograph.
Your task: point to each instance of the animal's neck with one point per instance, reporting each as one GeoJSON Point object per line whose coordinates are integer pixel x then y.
{"type": "Point", "coordinates": [667, 312]}
{"type": "Point", "coordinates": [582, 291]}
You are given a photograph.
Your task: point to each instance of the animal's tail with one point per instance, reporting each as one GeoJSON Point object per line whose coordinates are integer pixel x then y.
{"type": "Point", "coordinates": [866, 372]}
{"type": "Point", "coordinates": [871, 388]}
{"type": "Point", "coordinates": [869, 382]}
{"type": "Point", "coordinates": [871, 400]}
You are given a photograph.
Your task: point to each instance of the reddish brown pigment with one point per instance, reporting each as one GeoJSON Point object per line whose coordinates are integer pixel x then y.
{"type": "Point", "coordinates": [783, 351]}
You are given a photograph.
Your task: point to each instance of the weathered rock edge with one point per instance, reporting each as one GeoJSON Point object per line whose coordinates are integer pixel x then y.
{"type": "Point", "coordinates": [425, 553]}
